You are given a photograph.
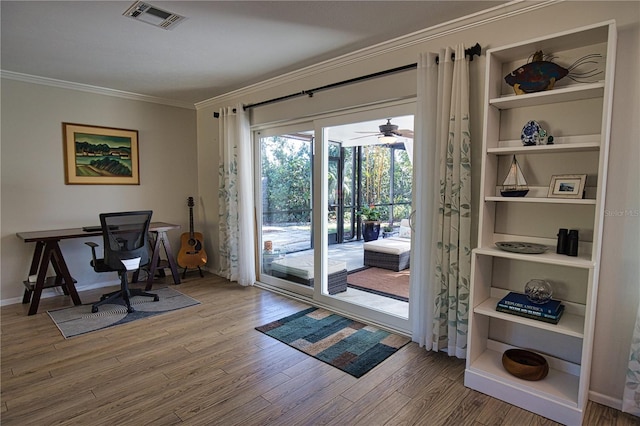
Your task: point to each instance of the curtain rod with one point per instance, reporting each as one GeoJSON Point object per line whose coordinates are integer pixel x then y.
{"type": "Point", "coordinates": [474, 50]}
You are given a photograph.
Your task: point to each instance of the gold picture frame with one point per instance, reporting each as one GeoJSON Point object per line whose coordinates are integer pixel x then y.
{"type": "Point", "coordinates": [95, 155]}
{"type": "Point", "coordinates": [567, 186]}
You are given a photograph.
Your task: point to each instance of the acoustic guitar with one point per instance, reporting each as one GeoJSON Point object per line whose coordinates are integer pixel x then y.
{"type": "Point", "coordinates": [191, 254]}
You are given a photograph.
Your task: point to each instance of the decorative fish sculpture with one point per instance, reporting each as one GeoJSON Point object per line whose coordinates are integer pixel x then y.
{"type": "Point", "coordinates": [539, 74]}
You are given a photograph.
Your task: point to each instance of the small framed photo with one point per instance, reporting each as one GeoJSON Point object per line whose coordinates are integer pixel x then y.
{"type": "Point", "coordinates": [567, 186]}
{"type": "Point", "coordinates": [96, 155]}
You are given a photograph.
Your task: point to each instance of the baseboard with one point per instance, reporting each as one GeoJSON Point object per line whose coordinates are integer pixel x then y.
{"type": "Point", "coordinates": [605, 400]}
{"type": "Point", "coordinates": [57, 291]}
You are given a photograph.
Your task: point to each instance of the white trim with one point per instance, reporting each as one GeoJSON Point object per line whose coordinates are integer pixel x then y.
{"type": "Point", "coordinates": [57, 291]}
{"type": "Point", "coordinates": [27, 78]}
{"type": "Point", "coordinates": [484, 17]}
{"type": "Point", "coordinates": [605, 400]}
{"type": "Point", "coordinates": [334, 113]}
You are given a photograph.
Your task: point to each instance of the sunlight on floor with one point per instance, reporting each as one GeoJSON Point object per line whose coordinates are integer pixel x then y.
{"type": "Point", "coordinates": [373, 301]}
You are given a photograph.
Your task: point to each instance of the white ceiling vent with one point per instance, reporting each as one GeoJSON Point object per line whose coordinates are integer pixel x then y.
{"type": "Point", "coordinates": [152, 15]}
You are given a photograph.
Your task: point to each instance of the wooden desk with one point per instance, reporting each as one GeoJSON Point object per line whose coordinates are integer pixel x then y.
{"type": "Point", "coordinates": [160, 230]}
{"type": "Point", "coordinates": [48, 250]}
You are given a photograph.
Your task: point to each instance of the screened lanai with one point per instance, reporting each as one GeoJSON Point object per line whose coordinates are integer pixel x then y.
{"type": "Point", "coordinates": [367, 169]}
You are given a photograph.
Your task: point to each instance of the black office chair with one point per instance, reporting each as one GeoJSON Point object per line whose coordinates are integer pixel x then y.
{"type": "Point", "coordinates": [126, 248]}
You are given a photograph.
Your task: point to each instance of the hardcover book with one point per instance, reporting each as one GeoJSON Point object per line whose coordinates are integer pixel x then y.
{"type": "Point", "coordinates": [520, 300]}
{"type": "Point", "coordinates": [542, 317]}
{"type": "Point", "coordinates": [530, 312]}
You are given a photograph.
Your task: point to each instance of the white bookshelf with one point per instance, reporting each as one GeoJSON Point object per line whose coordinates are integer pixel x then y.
{"type": "Point", "coordinates": [568, 109]}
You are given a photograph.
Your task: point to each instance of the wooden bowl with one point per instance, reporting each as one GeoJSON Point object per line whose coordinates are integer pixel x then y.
{"type": "Point", "coordinates": [524, 364]}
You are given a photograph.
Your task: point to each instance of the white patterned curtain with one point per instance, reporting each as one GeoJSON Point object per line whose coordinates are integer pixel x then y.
{"type": "Point", "coordinates": [631, 395]}
{"type": "Point", "coordinates": [442, 201]}
{"type": "Point", "coordinates": [235, 198]}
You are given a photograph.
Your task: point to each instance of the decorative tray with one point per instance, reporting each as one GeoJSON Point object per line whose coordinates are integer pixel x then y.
{"type": "Point", "coordinates": [521, 247]}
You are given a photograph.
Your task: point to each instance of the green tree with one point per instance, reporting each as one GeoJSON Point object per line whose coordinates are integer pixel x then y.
{"type": "Point", "coordinates": [286, 172]}
{"type": "Point", "coordinates": [375, 173]}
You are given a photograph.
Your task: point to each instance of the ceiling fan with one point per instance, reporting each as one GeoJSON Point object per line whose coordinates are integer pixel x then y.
{"type": "Point", "coordinates": [388, 133]}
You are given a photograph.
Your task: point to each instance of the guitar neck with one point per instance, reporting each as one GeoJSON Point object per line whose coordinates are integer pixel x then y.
{"type": "Point", "coordinates": [191, 222]}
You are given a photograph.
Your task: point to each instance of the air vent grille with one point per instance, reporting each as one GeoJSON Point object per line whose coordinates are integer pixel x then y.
{"type": "Point", "coordinates": [149, 14]}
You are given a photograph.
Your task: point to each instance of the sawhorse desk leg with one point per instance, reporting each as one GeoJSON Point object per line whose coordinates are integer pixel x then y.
{"type": "Point", "coordinates": [162, 240]}
{"type": "Point", "coordinates": [44, 253]}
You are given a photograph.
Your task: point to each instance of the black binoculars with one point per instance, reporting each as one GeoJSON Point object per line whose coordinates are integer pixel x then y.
{"type": "Point", "coordinates": [567, 242]}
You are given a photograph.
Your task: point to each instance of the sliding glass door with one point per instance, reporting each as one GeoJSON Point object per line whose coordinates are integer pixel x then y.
{"type": "Point", "coordinates": [365, 173]}
{"type": "Point", "coordinates": [323, 187]}
{"type": "Point", "coordinates": [285, 204]}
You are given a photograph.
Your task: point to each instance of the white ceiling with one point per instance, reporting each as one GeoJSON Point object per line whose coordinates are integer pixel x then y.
{"type": "Point", "coordinates": [220, 47]}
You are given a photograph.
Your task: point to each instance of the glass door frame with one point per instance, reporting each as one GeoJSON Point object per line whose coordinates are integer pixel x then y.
{"type": "Point", "coordinates": [258, 134]}
{"type": "Point", "coordinates": [338, 204]}
{"type": "Point", "coordinates": [319, 295]}
{"type": "Point", "coordinates": [320, 222]}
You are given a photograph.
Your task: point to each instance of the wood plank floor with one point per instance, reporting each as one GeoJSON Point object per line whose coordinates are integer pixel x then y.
{"type": "Point", "coordinates": [206, 365]}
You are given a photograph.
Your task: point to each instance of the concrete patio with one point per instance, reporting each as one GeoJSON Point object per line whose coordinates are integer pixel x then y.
{"type": "Point", "coordinates": [295, 240]}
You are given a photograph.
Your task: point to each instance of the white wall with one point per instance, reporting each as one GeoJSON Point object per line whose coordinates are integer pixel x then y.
{"type": "Point", "coordinates": [35, 197]}
{"type": "Point", "coordinates": [620, 287]}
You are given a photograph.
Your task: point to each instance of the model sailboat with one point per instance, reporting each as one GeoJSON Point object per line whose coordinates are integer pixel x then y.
{"type": "Point", "coordinates": [515, 184]}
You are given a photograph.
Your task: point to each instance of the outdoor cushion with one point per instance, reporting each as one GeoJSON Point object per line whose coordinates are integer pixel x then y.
{"type": "Point", "coordinates": [391, 245]}
{"type": "Point", "coordinates": [405, 229]}
{"type": "Point", "coordinates": [302, 266]}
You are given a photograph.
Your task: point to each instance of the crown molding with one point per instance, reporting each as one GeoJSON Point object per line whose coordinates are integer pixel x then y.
{"type": "Point", "coordinates": [27, 78]}
{"type": "Point", "coordinates": [505, 11]}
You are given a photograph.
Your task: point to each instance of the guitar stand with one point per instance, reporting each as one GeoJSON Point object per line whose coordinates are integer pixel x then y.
{"type": "Point", "coordinates": [184, 273]}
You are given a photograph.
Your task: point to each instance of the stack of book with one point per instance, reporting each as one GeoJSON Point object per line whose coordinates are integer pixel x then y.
{"type": "Point", "coordinates": [518, 304]}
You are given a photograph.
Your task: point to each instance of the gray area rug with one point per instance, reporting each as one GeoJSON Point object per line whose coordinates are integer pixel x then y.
{"type": "Point", "coordinates": [78, 320]}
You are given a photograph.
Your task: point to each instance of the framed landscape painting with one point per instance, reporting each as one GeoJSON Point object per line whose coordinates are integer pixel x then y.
{"type": "Point", "coordinates": [100, 155]}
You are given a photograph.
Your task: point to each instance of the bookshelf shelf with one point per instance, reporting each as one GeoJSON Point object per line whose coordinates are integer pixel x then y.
{"type": "Point", "coordinates": [566, 94]}
{"type": "Point", "coordinates": [558, 386]}
{"type": "Point", "coordinates": [550, 257]}
{"type": "Point", "coordinates": [584, 201]}
{"type": "Point", "coordinates": [561, 144]}
{"type": "Point", "coordinates": [570, 324]}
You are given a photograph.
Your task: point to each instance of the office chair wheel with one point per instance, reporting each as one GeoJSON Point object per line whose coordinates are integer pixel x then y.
{"type": "Point", "coordinates": [156, 299]}
{"type": "Point", "coordinates": [94, 309]}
